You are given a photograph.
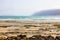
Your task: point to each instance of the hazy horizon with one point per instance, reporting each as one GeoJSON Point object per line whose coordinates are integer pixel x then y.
{"type": "Point", "coordinates": [26, 7]}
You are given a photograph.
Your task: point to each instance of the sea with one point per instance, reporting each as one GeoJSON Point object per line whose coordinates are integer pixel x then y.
{"type": "Point", "coordinates": [30, 18]}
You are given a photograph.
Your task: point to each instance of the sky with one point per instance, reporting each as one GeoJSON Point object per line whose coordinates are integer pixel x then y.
{"type": "Point", "coordinates": [26, 7]}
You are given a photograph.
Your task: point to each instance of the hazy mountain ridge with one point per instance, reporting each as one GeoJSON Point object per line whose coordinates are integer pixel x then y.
{"type": "Point", "coordinates": [48, 13]}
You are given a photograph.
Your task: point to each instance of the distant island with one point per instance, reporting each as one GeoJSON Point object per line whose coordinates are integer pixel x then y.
{"type": "Point", "coordinates": [53, 12]}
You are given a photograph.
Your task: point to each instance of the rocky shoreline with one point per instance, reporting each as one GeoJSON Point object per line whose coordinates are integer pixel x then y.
{"type": "Point", "coordinates": [29, 29]}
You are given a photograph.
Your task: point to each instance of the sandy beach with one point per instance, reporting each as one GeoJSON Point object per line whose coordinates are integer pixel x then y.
{"type": "Point", "coordinates": [29, 28]}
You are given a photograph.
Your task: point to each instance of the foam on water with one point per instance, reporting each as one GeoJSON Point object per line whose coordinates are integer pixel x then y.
{"type": "Point", "coordinates": [29, 18]}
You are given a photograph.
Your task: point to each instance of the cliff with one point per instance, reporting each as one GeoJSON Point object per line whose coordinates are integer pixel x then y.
{"type": "Point", "coordinates": [48, 13]}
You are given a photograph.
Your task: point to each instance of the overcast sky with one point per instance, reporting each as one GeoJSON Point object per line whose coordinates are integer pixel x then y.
{"type": "Point", "coordinates": [26, 7]}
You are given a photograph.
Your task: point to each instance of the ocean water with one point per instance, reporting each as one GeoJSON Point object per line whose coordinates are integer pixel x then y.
{"type": "Point", "coordinates": [29, 17]}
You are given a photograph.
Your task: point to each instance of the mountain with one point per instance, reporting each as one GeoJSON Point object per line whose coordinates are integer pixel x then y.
{"type": "Point", "coordinates": [55, 12]}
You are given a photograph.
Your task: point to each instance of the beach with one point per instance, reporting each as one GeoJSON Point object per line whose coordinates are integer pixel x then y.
{"type": "Point", "coordinates": [30, 27]}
